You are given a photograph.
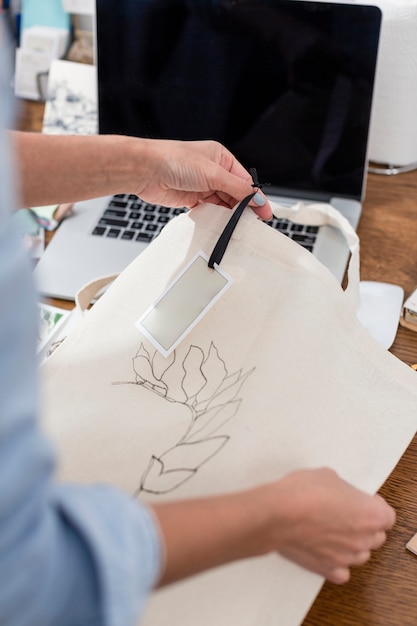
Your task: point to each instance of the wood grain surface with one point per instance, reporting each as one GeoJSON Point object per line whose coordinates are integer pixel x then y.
{"type": "Point", "coordinates": [384, 591]}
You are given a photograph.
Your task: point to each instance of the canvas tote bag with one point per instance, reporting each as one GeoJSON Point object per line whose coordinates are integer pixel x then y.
{"type": "Point", "coordinates": [278, 375]}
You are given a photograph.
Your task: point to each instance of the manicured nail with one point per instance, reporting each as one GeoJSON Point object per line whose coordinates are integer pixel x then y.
{"type": "Point", "coordinates": [259, 199]}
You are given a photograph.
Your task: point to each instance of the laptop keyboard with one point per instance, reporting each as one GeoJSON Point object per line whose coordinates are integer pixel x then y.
{"type": "Point", "coordinates": [129, 218]}
{"type": "Point", "coordinates": [301, 233]}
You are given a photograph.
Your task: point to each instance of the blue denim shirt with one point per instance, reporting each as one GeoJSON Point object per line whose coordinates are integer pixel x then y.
{"type": "Point", "coordinates": [70, 555]}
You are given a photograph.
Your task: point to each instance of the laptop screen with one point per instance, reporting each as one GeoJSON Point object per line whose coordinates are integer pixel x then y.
{"type": "Point", "coordinates": [286, 85]}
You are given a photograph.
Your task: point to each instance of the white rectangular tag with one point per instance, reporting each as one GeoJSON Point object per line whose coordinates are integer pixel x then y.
{"type": "Point", "coordinates": [183, 303]}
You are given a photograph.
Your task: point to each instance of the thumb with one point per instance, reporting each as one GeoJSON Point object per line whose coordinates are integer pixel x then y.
{"type": "Point", "coordinates": [238, 187]}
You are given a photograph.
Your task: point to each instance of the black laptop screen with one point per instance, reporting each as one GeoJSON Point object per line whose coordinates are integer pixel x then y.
{"type": "Point", "coordinates": [286, 85]}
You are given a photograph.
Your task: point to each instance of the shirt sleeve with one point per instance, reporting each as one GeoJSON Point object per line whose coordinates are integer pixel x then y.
{"type": "Point", "coordinates": [69, 554]}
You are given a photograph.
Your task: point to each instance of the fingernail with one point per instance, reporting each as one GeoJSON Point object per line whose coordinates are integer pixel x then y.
{"type": "Point", "coordinates": [258, 199]}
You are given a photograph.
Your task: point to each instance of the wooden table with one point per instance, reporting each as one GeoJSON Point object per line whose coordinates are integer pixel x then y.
{"type": "Point", "coordinates": [384, 591]}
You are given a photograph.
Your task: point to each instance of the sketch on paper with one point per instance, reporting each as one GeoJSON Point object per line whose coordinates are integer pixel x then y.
{"type": "Point", "coordinates": [202, 383]}
{"type": "Point", "coordinates": [50, 320]}
{"type": "Point", "coordinates": [71, 106]}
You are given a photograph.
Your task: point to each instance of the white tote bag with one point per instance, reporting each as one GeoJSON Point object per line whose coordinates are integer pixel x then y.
{"type": "Point", "coordinates": [278, 375]}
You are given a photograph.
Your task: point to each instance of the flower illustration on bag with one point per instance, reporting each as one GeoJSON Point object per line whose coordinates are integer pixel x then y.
{"type": "Point", "coordinates": [201, 382]}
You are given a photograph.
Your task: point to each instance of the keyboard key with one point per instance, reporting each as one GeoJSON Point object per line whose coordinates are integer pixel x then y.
{"type": "Point", "coordinates": [283, 228]}
{"type": "Point", "coordinates": [113, 232]}
{"type": "Point", "coordinates": [109, 221]}
{"type": "Point", "coordinates": [128, 234]}
{"type": "Point", "coordinates": [148, 217]}
{"type": "Point", "coordinates": [136, 225]}
{"type": "Point", "coordinates": [151, 228]}
{"type": "Point", "coordinates": [145, 237]}
{"type": "Point", "coordinates": [279, 224]}
{"type": "Point", "coordinates": [307, 239]}
{"type": "Point", "coordinates": [114, 213]}
{"type": "Point", "coordinates": [99, 230]}
{"type": "Point", "coordinates": [119, 203]}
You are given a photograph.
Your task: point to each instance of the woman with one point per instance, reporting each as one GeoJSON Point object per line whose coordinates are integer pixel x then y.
{"type": "Point", "coordinates": [72, 554]}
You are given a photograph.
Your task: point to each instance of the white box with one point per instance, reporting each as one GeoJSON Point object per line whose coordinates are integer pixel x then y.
{"type": "Point", "coordinates": [393, 132]}
{"type": "Point", "coordinates": [52, 41]}
{"type": "Point", "coordinates": [81, 7]}
{"type": "Point", "coordinates": [40, 45]}
{"type": "Point", "coordinates": [29, 66]}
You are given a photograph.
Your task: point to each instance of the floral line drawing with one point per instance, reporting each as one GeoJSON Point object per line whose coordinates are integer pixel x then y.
{"type": "Point", "coordinates": [201, 382]}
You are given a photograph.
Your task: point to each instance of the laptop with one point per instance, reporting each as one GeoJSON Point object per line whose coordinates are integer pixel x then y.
{"type": "Point", "coordinates": [286, 85]}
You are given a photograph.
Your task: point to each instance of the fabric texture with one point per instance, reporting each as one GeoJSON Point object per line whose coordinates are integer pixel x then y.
{"type": "Point", "coordinates": [279, 375]}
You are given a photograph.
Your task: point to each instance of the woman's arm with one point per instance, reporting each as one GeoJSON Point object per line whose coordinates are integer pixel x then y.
{"type": "Point", "coordinates": [311, 517]}
{"type": "Point", "coordinates": [56, 169]}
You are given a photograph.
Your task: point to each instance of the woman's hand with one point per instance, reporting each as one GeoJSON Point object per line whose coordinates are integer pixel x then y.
{"type": "Point", "coordinates": [326, 525]}
{"type": "Point", "coordinates": [311, 517]}
{"type": "Point", "coordinates": [57, 169]}
{"type": "Point", "coordinates": [186, 173]}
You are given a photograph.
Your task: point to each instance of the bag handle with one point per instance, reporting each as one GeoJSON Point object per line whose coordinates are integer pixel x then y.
{"type": "Point", "coordinates": [322, 214]}
{"type": "Point", "coordinates": [318, 214]}
{"type": "Point", "coordinates": [83, 298]}
{"type": "Point", "coordinates": [91, 290]}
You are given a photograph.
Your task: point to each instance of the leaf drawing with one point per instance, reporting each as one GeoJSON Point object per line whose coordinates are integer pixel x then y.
{"type": "Point", "coordinates": [202, 383]}
{"type": "Point", "coordinates": [156, 479]}
{"type": "Point", "coordinates": [211, 420]}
